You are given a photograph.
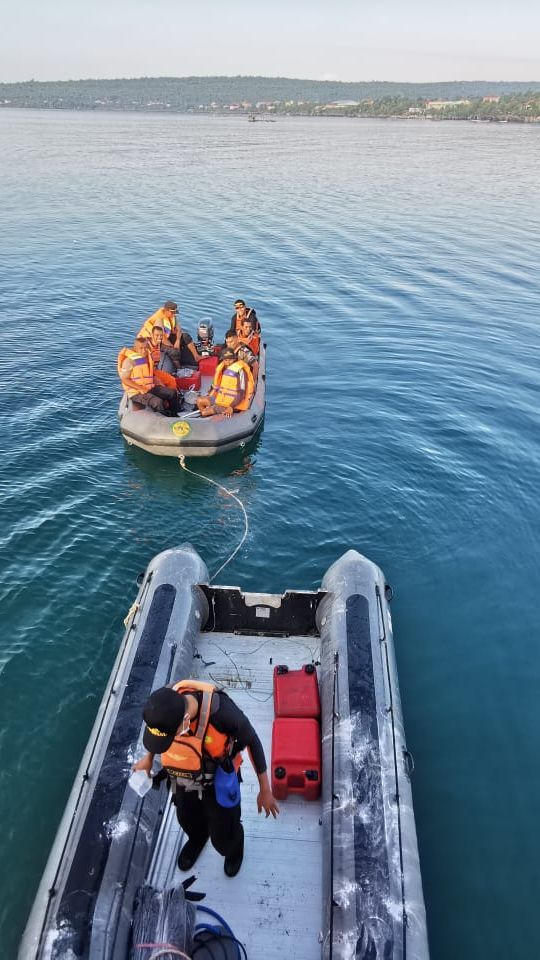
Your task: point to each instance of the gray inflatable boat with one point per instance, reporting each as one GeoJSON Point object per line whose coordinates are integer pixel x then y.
{"type": "Point", "coordinates": [336, 878]}
{"type": "Point", "coordinates": [191, 435]}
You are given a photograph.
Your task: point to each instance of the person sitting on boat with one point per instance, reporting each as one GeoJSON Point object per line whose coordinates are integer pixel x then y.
{"type": "Point", "coordinates": [199, 734]}
{"type": "Point", "coordinates": [241, 313]}
{"type": "Point", "coordinates": [242, 351]}
{"type": "Point", "coordinates": [235, 345]}
{"type": "Point", "coordinates": [248, 336]}
{"type": "Point", "coordinates": [171, 358]}
{"type": "Point", "coordinates": [232, 389]}
{"type": "Point", "coordinates": [137, 375]}
{"type": "Point", "coordinates": [165, 317]}
{"type": "Point", "coordinates": [164, 366]}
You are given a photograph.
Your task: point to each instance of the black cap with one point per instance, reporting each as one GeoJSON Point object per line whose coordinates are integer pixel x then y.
{"type": "Point", "coordinates": [163, 713]}
{"type": "Point", "coordinates": [170, 305]}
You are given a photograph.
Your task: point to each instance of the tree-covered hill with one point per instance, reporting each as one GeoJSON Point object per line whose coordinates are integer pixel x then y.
{"type": "Point", "coordinates": [180, 94]}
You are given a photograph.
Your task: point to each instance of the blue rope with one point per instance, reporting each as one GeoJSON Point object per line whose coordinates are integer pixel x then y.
{"type": "Point", "coordinates": [224, 924]}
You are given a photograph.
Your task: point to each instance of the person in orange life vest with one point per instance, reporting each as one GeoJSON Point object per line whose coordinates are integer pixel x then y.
{"type": "Point", "coordinates": [136, 372]}
{"type": "Point", "coordinates": [165, 317]}
{"type": "Point", "coordinates": [178, 347]}
{"type": "Point", "coordinates": [248, 336]}
{"type": "Point", "coordinates": [159, 356]}
{"type": "Point", "coordinates": [241, 313]}
{"type": "Point", "coordinates": [197, 729]}
{"type": "Point", "coordinates": [242, 351]}
{"type": "Point", "coordinates": [232, 389]}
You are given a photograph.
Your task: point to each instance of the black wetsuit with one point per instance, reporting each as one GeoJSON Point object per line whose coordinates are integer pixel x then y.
{"type": "Point", "coordinates": [199, 814]}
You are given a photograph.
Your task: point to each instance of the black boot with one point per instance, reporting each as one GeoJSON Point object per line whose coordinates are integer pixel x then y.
{"type": "Point", "coordinates": [234, 861]}
{"type": "Point", "coordinates": [190, 853]}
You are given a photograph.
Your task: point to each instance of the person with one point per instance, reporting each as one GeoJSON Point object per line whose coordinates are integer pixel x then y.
{"type": "Point", "coordinates": [232, 389]}
{"type": "Point", "coordinates": [171, 358]}
{"type": "Point", "coordinates": [248, 336]}
{"type": "Point", "coordinates": [234, 345]}
{"type": "Point", "coordinates": [177, 343]}
{"type": "Point", "coordinates": [164, 367]}
{"type": "Point", "coordinates": [136, 372]}
{"type": "Point", "coordinates": [241, 313]}
{"type": "Point", "coordinates": [199, 734]}
{"type": "Point", "coordinates": [184, 352]}
{"type": "Point", "coordinates": [165, 317]}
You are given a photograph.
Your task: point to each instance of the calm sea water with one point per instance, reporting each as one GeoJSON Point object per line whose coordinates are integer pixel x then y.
{"type": "Point", "coordinates": [395, 269]}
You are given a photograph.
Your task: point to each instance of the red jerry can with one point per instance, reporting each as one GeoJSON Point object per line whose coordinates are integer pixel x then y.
{"type": "Point", "coordinates": [296, 757]}
{"type": "Point", "coordinates": [191, 382]}
{"type": "Point", "coordinates": [207, 366]}
{"type": "Point", "coordinates": [296, 692]}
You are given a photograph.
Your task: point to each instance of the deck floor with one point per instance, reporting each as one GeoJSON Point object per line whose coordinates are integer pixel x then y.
{"type": "Point", "coordinates": [274, 904]}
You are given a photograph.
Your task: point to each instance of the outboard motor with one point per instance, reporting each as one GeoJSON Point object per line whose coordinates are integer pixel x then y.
{"type": "Point", "coordinates": [205, 337]}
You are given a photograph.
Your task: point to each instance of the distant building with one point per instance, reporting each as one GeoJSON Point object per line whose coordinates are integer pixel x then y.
{"type": "Point", "coordinates": [441, 104]}
{"type": "Point", "coordinates": [490, 99]}
{"type": "Point", "coordinates": [339, 104]}
{"type": "Point", "coordinates": [415, 110]}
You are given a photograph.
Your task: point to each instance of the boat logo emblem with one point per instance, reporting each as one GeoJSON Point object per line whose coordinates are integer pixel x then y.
{"type": "Point", "coordinates": [181, 428]}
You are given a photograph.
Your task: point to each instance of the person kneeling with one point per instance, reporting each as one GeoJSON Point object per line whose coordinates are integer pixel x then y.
{"type": "Point", "coordinates": [136, 372]}
{"type": "Point", "coordinates": [232, 389]}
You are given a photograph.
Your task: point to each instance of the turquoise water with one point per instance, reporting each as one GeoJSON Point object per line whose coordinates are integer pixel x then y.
{"type": "Point", "coordinates": [395, 268]}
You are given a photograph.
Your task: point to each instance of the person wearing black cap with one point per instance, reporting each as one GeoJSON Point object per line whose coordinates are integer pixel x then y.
{"type": "Point", "coordinates": [199, 734]}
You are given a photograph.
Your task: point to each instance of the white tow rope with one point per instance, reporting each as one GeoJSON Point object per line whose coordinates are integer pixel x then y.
{"type": "Point", "coordinates": [229, 493]}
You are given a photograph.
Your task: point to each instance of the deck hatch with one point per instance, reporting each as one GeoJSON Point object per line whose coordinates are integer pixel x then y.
{"type": "Point", "coordinates": [290, 615]}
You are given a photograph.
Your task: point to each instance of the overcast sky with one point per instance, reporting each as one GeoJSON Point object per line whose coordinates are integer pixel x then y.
{"type": "Point", "coordinates": [321, 39]}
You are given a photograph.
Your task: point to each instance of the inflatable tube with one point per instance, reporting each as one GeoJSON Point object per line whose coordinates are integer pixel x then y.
{"type": "Point", "coordinates": [191, 435]}
{"type": "Point", "coordinates": [355, 848]}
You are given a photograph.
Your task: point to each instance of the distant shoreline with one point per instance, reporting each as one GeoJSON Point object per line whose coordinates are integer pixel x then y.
{"type": "Point", "coordinates": [111, 111]}
{"type": "Point", "coordinates": [268, 98]}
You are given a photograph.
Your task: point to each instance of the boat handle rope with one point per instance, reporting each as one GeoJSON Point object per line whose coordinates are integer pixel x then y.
{"type": "Point", "coordinates": [229, 493]}
{"type": "Point", "coordinates": [131, 612]}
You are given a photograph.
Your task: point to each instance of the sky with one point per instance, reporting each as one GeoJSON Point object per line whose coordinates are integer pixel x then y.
{"type": "Point", "coordinates": [417, 40]}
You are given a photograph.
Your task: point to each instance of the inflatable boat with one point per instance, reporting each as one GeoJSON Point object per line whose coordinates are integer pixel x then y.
{"type": "Point", "coordinates": [336, 876]}
{"type": "Point", "coordinates": [189, 434]}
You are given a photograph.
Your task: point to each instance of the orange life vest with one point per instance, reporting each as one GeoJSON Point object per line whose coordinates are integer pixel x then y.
{"type": "Point", "coordinates": [247, 316]}
{"type": "Point", "coordinates": [184, 758]}
{"type": "Point", "coordinates": [227, 385]}
{"type": "Point", "coordinates": [158, 318]}
{"type": "Point", "coordinates": [253, 342]}
{"type": "Point", "coordinates": [142, 372]}
{"type": "Point", "coordinates": [161, 376]}
{"type": "Point", "coordinates": [165, 379]}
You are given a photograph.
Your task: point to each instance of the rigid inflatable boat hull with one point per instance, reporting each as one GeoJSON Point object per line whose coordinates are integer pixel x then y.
{"type": "Point", "coordinates": [355, 849]}
{"type": "Point", "coordinates": [191, 435]}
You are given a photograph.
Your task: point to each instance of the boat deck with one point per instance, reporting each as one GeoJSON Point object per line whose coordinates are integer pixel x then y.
{"type": "Point", "coordinates": [274, 904]}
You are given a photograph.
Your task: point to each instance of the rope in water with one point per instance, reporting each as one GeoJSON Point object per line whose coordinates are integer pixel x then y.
{"type": "Point", "coordinates": [229, 493]}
